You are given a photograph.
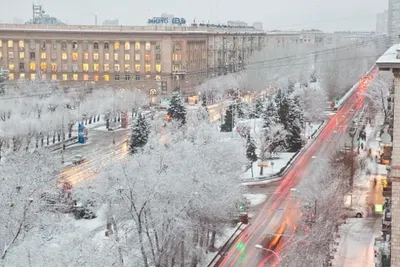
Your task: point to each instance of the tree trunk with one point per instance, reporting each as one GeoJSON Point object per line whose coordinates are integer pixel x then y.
{"type": "Point", "coordinates": [261, 171]}
{"type": "Point", "coordinates": [195, 240]}
{"type": "Point", "coordinates": [212, 239]}
{"type": "Point", "coordinates": [121, 257]}
{"type": "Point", "coordinates": [183, 251]}
{"type": "Point", "coordinates": [142, 250]}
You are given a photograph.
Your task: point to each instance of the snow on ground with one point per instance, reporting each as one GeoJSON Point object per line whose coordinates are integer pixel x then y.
{"type": "Point", "coordinates": [274, 166]}
{"type": "Point", "coordinates": [103, 128]}
{"type": "Point", "coordinates": [255, 199]}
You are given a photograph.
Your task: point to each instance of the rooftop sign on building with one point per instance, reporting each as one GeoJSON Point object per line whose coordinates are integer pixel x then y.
{"type": "Point", "coordinates": [165, 20]}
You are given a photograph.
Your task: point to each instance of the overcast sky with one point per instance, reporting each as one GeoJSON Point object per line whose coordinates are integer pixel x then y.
{"type": "Point", "coordinates": [328, 15]}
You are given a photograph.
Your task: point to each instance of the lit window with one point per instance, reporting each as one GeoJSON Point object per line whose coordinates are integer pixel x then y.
{"type": "Point", "coordinates": [106, 67]}
{"type": "Point", "coordinates": [32, 66]}
{"type": "Point", "coordinates": [75, 56]}
{"type": "Point", "coordinates": [44, 77]}
{"type": "Point", "coordinates": [137, 67]}
{"type": "Point", "coordinates": [116, 45]}
{"type": "Point", "coordinates": [21, 55]}
{"type": "Point", "coordinates": [11, 66]}
{"type": "Point", "coordinates": [85, 67]}
{"type": "Point", "coordinates": [11, 76]}
{"type": "Point", "coordinates": [127, 57]}
{"type": "Point", "coordinates": [116, 67]}
{"type": "Point", "coordinates": [96, 56]}
{"type": "Point", "coordinates": [137, 57]}
{"type": "Point", "coordinates": [53, 66]}
{"type": "Point", "coordinates": [148, 46]}
{"type": "Point", "coordinates": [21, 44]}
{"type": "Point", "coordinates": [137, 46]}
{"type": "Point", "coordinates": [85, 77]}
{"type": "Point", "coordinates": [85, 56]}
{"type": "Point", "coordinates": [116, 57]}
{"type": "Point", "coordinates": [54, 77]}
{"type": "Point", "coordinates": [10, 43]}
{"type": "Point", "coordinates": [106, 46]}
{"type": "Point", "coordinates": [75, 77]}
{"type": "Point", "coordinates": [64, 56]}
{"type": "Point", "coordinates": [148, 67]}
{"type": "Point", "coordinates": [176, 57]}
{"type": "Point", "coordinates": [43, 55]}
{"type": "Point", "coordinates": [74, 45]}
{"type": "Point", "coordinates": [10, 55]}
{"type": "Point", "coordinates": [65, 77]}
{"type": "Point", "coordinates": [22, 76]}
{"type": "Point", "coordinates": [43, 66]}
{"type": "Point", "coordinates": [1, 54]}
{"type": "Point", "coordinates": [127, 45]}
{"type": "Point", "coordinates": [96, 77]}
{"type": "Point", "coordinates": [1, 43]}
{"type": "Point", "coordinates": [95, 67]}
{"type": "Point", "coordinates": [127, 68]}
{"type": "Point", "coordinates": [158, 67]}
{"type": "Point", "coordinates": [107, 56]}
{"type": "Point", "coordinates": [106, 77]}
{"type": "Point", "coordinates": [158, 77]}
{"type": "Point", "coordinates": [147, 57]}
{"type": "Point", "coordinates": [95, 45]}
{"type": "Point", "coordinates": [33, 76]}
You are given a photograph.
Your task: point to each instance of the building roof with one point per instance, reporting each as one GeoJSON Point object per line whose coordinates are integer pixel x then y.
{"type": "Point", "coordinates": [389, 59]}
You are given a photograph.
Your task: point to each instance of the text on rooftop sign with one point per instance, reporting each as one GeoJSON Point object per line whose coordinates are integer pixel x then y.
{"type": "Point", "coordinates": [163, 20]}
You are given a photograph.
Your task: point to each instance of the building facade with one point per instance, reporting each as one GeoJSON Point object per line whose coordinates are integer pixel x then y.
{"type": "Point", "coordinates": [394, 21]}
{"type": "Point", "coordinates": [382, 22]}
{"type": "Point", "coordinates": [156, 59]}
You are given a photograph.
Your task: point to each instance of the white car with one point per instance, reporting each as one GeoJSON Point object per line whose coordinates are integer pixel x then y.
{"type": "Point", "coordinates": [354, 212]}
{"type": "Point", "coordinates": [78, 159]}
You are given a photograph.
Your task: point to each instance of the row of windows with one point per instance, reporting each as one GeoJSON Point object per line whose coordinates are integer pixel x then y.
{"type": "Point", "coordinates": [85, 45]}
{"type": "Point", "coordinates": [75, 56]}
{"type": "Point", "coordinates": [85, 67]}
{"type": "Point", "coordinates": [84, 77]}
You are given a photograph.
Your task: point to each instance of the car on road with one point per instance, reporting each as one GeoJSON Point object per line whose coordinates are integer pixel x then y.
{"type": "Point", "coordinates": [354, 212]}
{"type": "Point", "coordinates": [78, 159]}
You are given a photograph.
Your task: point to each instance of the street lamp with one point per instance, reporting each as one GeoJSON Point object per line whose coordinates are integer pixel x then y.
{"type": "Point", "coordinates": [269, 250]}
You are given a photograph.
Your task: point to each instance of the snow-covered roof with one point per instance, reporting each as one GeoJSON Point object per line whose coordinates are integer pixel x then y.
{"type": "Point", "coordinates": [389, 60]}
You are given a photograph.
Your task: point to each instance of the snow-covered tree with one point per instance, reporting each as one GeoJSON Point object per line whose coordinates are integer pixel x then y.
{"type": "Point", "coordinates": [140, 134]}
{"type": "Point", "coordinates": [294, 125]}
{"type": "Point", "coordinates": [270, 115]}
{"type": "Point", "coordinates": [229, 122]}
{"type": "Point", "coordinates": [251, 152]}
{"type": "Point", "coordinates": [313, 102]}
{"type": "Point", "coordinates": [177, 110]}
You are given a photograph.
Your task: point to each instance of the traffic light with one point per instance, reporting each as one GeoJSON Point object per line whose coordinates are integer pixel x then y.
{"type": "Point", "coordinates": [240, 246]}
{"type": "Point", "coordinates": [241, 207]}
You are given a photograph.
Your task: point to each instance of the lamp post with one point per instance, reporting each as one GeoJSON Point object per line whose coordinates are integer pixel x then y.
{"type": "Point", "coordinates": [269, 250]}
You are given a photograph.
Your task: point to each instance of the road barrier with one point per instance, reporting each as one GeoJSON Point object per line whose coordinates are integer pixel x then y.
{"type": "Point", "coordinates": [67, 142]}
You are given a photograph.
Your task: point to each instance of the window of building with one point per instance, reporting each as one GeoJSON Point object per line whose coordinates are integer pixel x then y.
{"type": "Point", "coordinates": [75, 56]}
{"type": "Point", "coordinates": [106, 46]}
{"type": "Point", "coordinates": [158, 57]}
{"type": "Point", "coordinates": [137, 57]}
{"type": "Point", "coordinates": [32, 66]}
{"type": "Point", "coordinates": [127, 46]}
{"type": "Point", "coordinates": [74, 67]}
{"type": "Point", "coordinates": [32, 44]}
{"type": "Point", "coordinates": [85, 46]}
{"type": "Point", "coordinates": [10, 55]}
{"type": "Point", "coordinates": [116, 57]}
{"type": "Point", "coordinates": [158, 77]}
{"type": "Point", "coordinates": [127, 68]}
{"type": "Point", "coordinates": [21, 44]}
{"type": "Point", "coordinates": [21, 55]}
{"type": "Point", "coordinates": [65, 77]}
{"type": "Point", "coordinates": [33, 76]}
{"type": "Point", "coordinates": [137, 67]}
{"type": "Point", "coordinates": [32, 55]}
{"type": "Point", "coordinates": [44, 77]}
{"type": "Point", "coordinates": [11, 67]}
{"type": "Point", "coordinates": [75, 45]}
{"type": "Point", "coordinates": [137, 77]}
{"type": "Point", "coordinates": [85, 67]}
{"type": "Point", "coordinates": [116, 67]}
{"type": "Point", "coordinates": [176, 67]}
{"type": "Point", "coordinates": [127, 77]}
{"type": "Point", "coordinates": [96, 77]}
{"type": "Point", "coordinates": [10, 43]}
{"type": "Point", "coordinates": [116, 77]}
{"type": "Point", "coordinates": [96, 67]}
{"type": "Point", "coordinates": [75, 77]}
{"type": "Point", "coordinates": [116, 45]}
{"type": "Point", "coordinates": [43, 66]}
{"type": "Point", "coordinates": [148, 67]}
{"type": "Point", "coordinates": [127, 57]}
{"type": "Point", "coordinates": [22, 76]}
{"type": "Point", "coordinates": [137, 46]}
{"type": "Point", "coordinates": [21, 66]}
{"type": "Point", "coordinates": [107, 56]}
{"type": "Point", "coordinates": [158, 47]}
{"type": "Point", "coordinates": [64, 56]}
{"type": "Point", "coordinates": [158, 68]}
{"type": "Point", "coordinates": [95, 45]}
{"type": "Point", "coordinates": [148, 46]}
{"type": "Point", "coordinates": [106, 67]}
{"type": "Point", "coordinates": [11, 76]}
{"type": "Point", "coordinates": [53, 66]}
{"type": "Point", "coordinates": [54, 45]}
{"type": "Point", "coordinates": [1, 43]}
{"type": "Point", "coordinates": [43, 55]}
{"type": "Point", "coordinates": [95, 56]}
{"type": "Point", "coordinates": [148, 77]}
{"type": "Point", "coordinates": [64, 67]}
{"type": "Point", "coordinates": [85, 77]}
{"type": "Point", "coordinates": [1, 55]}
{"type": "Point", "coordinates": [43, 45]}
{"type": "Point", "coordinates": [54, 77]}
{"type": "Point", "coordinates": [176, 57]}
{"type": "Point", "coordinates": [64, 45]}
{"type": "Point", "coordinates": [53, 55]}
{"type": "Point", "coordinates": [85, 56]}
{"type": "Point", "coordinates": [147, 57]}
{"type": "Point", "coordinates": [177, 47]}
{"type": "Point", "coordinates": [106, 77]}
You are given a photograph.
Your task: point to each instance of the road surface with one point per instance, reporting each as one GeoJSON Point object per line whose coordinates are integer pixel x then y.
{"type": "Point", "coordinates": [243, 252]}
